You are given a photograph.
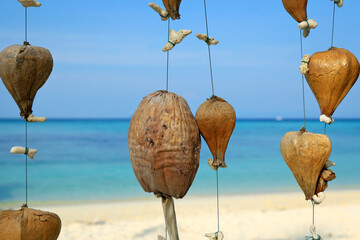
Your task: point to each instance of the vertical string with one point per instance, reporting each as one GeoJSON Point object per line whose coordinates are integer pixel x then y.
{"type": "Point", "coordinates": [207, 32]}
{"type": "Point", "coordinates": [313, 219]}
{"type": "Point", "coordinates": [217, 199]}
{"type": "Point", "coordinates": [333, 26]}
{"type": "Point", "coordinates": [167, 61]}
{"type": "Point", "coordinates": [26, 24]}
{"type": "Point", "coordinates": [303, 81]}
{"type": "Point", "coordinates": [325, 129]}
{"type": "Point", "coordinates": [26, 164]}
{"type": "Point", "coordinates": [166, 233]}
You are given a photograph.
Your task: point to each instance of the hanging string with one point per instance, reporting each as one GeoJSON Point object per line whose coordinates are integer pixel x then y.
{"type": "Point", "coordinates": [26, 25]}
{"type": "Point", "coordinates": [217, 201]}
{"type": "Point", "coordinates": [26, 163]}
{"type": "Point", "coordinates": [303, 81]}
{"type": "Point", "coordinates": [313, 219]}
{"type": "Point", "coordinates": [207, 32]}
{"type": "Point", "coordinates": [166, 233]}
{"type": "Point", "coordinates": [333, 26]}
{"type": "Point", "coordinates": [167, 59]}
{"type": "Point", "coordinates": [325, 128]}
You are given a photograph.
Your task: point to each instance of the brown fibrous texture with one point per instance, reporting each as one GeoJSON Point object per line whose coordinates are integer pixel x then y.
{"type": "Point", "coordinates": [29, 224]}
{"type": "Point", "coordinates": [216, 119]}
{"type": "Point", "coordinates": [173, 7]}
{"type": "Point", "coordinates": [24, 69]}
{"type": "Point", "coordinates": [331, 75]}
{"type": "Point", "coordinates": [164, 144]}
{"type": "Point", "coordinates": [297, 9]}
{"type": "Point", "coordinates": [306, 154]}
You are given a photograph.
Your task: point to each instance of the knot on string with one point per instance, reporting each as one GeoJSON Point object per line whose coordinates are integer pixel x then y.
{"type": "Point", "coordinates": [215, 236]}
{"type": "Point", "coordinates": [304, 67]}
{"type": "Point", "coordinates": [306, 26]}
{"type": "Point", "coordinates": [171, 43]}
{"type": "Point", "coordinates": [312, 238]}
{"type": "Point", "coordinates": [209, 41]}
{"type": "Point", "coordinates": [26, 151]}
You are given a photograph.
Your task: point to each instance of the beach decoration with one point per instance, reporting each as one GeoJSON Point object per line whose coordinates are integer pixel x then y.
{"type": "Point", "coordinates": [330, 75]}
{"type": "Point", "coordinates": [173, 7]}
{"type": "Point", "coordinates": [29, 224]}
{"type": "Point", "coordinates": [298, 10]}
{"type": "Point", "coordinates": [24, 69]}
{"type": "Point", "coordinates": [164, 145]}
{"type": "Point", "coordinates": [216, 120]}
{"type": "Point", "coordinates": [175, 38]}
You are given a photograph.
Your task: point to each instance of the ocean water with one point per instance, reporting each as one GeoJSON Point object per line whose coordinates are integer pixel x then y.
{"type": "Point", "coordinates": [88, 160]}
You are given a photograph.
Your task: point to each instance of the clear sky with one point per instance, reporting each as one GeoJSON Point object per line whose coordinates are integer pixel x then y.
{"type": "Point", "coordinates": [107, 55]}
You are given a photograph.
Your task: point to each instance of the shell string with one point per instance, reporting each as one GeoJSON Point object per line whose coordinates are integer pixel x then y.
{"type": "Point", "coordinates": [167, 59]}
{"type": "Point", "coordinates": [333, 26]}
{"type": "Point", "coordinates": [26, 25]}
{"type": "Point", "coordinates": [210, 63]}
{"type": "Point", "coordinates": [217, 201]}
{"type": "Point", "coordinates": [303, 81]}
{"type": "Point", "coordinates": [26, 163]}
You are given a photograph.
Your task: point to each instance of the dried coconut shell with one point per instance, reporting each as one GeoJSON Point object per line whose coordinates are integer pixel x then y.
{"type": "Point", "coordinates": [306, 154]}
{"type": "Point", "coordinates": [24, 69]}
{"type": "Point", "coordinates": [164, 144]}
{"type": "Point", "coordinates": [173, 7]}
{"type": "Point", "coordinates": [297, 9]}
{"type": "Point", "coordinates": [29, 224]}
{"type": "Point", "coordinates": [216, 119]}
{"type": "Point", "coordinates": [331, 75]}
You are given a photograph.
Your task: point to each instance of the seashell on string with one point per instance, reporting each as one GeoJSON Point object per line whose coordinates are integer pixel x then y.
{"type": "Point", "coordinates": [29, 224]}
{"type": "Point", "coordinates": [331, 75]}
{"type": "Point", "coordinates": [305, 154]}
{"type": "Point", "coordinates": [164, 144]}
{"type": "Point", "coordinates": [216, 119]}
{"type": "Point", "coordinates": [173, 7]}
{"type": "Point", "coordinates": [24, 69]}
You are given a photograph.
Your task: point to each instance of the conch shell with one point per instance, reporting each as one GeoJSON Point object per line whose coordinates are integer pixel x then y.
{"type": "Point", "coordinates": [331, 75]}
{"type": "Point", "coordinates": [173, 6]}
{"type": "Point", "coordinates": [29, 224]}
{"type": "Point", "coordinates": [164, 143]}
{"type": "Point", "coordinates": [216, 119]}
{"type": "Point", "coordinates": [24, 69]}
{"type": "Point", "coordinates": [306, 154]}
{"type": "Point", "coordinates": [297, 9]}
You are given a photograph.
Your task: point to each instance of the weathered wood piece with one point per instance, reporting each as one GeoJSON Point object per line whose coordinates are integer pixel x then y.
{"type": "Point", "coordinates": [173, 7]}
{"type": "Point", "coordinates": [216, 119]}
{"type": "Point", "coordinates": [306, 154]}
{"type": "Point", "coordinates": [331, 75]}
{"type": "Point", "coordinates": [24, 69]}
{"type": "Point", "coordinates": [29, 224]}
{"type": "Point", "coordinates": [164, 144]}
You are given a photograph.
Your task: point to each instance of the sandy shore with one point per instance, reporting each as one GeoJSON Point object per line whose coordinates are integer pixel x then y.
{"type": "Point", "coordinates": [257, 217]}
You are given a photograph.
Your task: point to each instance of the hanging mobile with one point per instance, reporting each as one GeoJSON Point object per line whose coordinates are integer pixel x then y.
{"type": "Point", "coordinates": [24, 69]}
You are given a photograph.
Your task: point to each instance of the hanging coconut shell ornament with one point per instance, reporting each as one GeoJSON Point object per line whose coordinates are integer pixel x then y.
{"type": "Point", "coordinates": [29, 224]}
{"type": "Point", "coordinates": [331, 75]}
{"type": "Point", "coordinates": [24, 69]}
{"type": "Point", "coordinates": [306, 154]}
{"type": "Point", "coordinates": [173, 7]}
{"type": "Point", "coordinates": [297, 9]}
{"type": "Point", "coordinates": [216, 119]}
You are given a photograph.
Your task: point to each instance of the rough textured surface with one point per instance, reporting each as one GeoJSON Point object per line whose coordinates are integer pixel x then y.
{"type": "Point", "coordinates": [331, 76]}
{"type": "Point", "coordinates": [164, 144]}
{"type": "Point", "coordinates": [173, 7]}
{"type": "Point", "coordinates": [297, 9]}
{"type": "Point", "coordinates": [216, 119]}
{"type": "Point", "coordinates": [24, 69]}
{"type": "Point", "coordinates": [306, 154]}
{"type": "Point", "coordinates": [29, 224]}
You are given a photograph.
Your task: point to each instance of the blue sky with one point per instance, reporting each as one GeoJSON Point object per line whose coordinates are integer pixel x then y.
{"type": "Point", "coordinates": [107, 56]}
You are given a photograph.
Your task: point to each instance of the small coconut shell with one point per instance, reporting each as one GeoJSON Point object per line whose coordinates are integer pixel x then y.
{"type": "Point", "coordinates": [29, 224]}
{"type": "Point", "coordinates": [331, 75]}
{"type": "Point", "coordinates": [216, 119]}
{"type": "Point", "coordinates": [297, 9]}
{"type": "Point", "coordinates": [164, 144]}
{"type": "Point", "coordinates": [306, 154]}
{"type": "Point", "coordinates": [173, 7]}
{"type": "Point", "coordinates": [24, 69]}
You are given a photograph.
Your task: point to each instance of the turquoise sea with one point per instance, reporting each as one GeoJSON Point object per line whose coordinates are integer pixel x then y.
{"type": "Point", "coordinates": [87, 160]}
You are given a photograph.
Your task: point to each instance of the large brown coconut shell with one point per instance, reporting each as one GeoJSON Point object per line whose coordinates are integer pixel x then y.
{"type": "Point", "coordinates": [331, 75]}
{"type": "Point", "coordinates": [216, 119]}
{"type": "Point", "coordinates": [29, 224]}
{"type": "Point", "coordinates": [306, 154]}
{"type": "Point", "coordinates": [24, 69]}
{"type": "Point", "coordinates": [164, 144]}
{"type": "Point", "coordinates": [297, 9]}
{"type": "Point", "coordinates": [173, 7]}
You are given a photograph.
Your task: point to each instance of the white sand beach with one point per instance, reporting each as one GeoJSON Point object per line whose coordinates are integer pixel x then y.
{"type": "Point", "coordinates": [247, 217]}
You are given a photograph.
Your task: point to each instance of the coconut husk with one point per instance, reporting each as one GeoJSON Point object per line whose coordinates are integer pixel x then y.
{"type": "Point", "coordinates": [331, 75]}
{"type": "Point", "coordinates": [164, 144]}
{"type": "Point", "coordinates": [306, 154]}
{"type": "Point", "coordinates": [29, 224]}
{"type": "Point", "coordinates": [173, 7]}
{"type": "Point", "coordinates": [216, 119]}
{"type": "Point", "coordinates": [297, 9]}
{"type": "Point", "coordinates": [24, 69]}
